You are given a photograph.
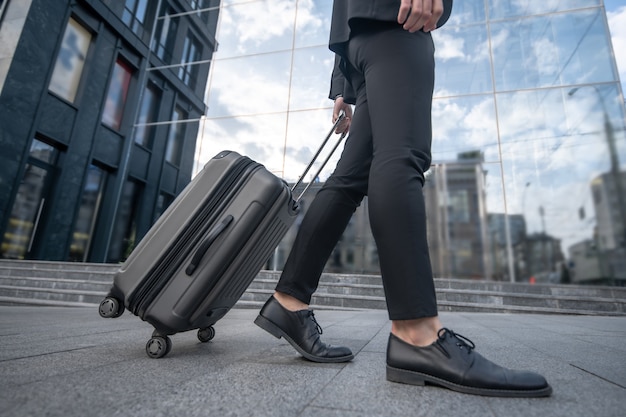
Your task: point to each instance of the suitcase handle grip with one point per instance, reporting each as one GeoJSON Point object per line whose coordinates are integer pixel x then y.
{"type": "Point", "coordinates": [204, 246]}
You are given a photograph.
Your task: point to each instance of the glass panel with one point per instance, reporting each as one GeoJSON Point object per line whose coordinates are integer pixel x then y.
{"type": "Point", "coordinates": [462, 61]}
{"type": "Point", "coordinates": [116, 95]}
{"type": "Point", "coordinates": [191, 53]}
{"type": "Point", "coordinates": [43, 152]}
{"type": "Point", "coordinates": [129, 11]}
{"type": "Point", "coordinates": [310, 83]}
{"type": "Point", "coordinates": [144, 135]}
{"type": "Point", "coordinates": [256, 27]}
{"type": "Point", "coordinates": [313, 22]}
{"type": "Point", "coordinates": [29, 201]}
{"type": "Point", "coordinates": [457, 197]}
{"type": "Point", "coordinates": [261, 137]}
{"type": "Point", "coordinates": [464, 12]}
{"type": "Point", "coordinates": [25, 214]}
{"type": "Point", "coordinates": [561, 152]}
{"type": "Point", "coordinates": [545, 51]}
{"type": "Point", "coordinates": [134, 15]}
{"type": "Point", "coordinates": [176, 138]}
{"type": "Point", "coordinates": [234, 79]}
{"type": "Point", "coordinates": [464, 124]}
{"type": "Point", "coordinates": [163, 202]}
{"type": "Point", "coordinates": [70, 61]}
{"type": "Point", "coordinates": [165, 35]}
{"type": "Point", "coordinates": [305, 133]}
{"type": "Point", "coordinates": [87, 214]}
{"type": "Point", "coordinates": [514, 8]}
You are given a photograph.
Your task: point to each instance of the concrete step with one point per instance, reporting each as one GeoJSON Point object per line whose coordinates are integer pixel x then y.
{"type": "Point", "coordinates": [58, 283]}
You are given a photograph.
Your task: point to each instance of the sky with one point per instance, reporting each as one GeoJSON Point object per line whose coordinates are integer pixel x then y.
{"type": "Point", "coordinates": [616, 14]}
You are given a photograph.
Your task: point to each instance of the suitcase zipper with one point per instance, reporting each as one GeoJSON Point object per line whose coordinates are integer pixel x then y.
{"type": "Point", "coordinates": [188, 239]}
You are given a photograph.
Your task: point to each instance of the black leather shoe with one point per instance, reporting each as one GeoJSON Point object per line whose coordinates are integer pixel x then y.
{"type": "Point", "coordinates": [451, 362]}
{"type": "Point", "coordinates": [301, 330]}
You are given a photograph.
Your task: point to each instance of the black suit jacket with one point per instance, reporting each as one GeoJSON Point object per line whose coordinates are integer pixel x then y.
{"type": "Point", "coordinates": [346, 10]}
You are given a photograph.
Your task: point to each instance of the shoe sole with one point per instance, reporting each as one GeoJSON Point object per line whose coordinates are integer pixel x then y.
{"type": "Point", "coordinates": [405, 376]}
{"type": "Point", "coordinates": [277, 332]}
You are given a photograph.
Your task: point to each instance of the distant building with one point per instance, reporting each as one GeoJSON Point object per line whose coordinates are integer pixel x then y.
{"type": "Point", "coordinates": [457, 218]}
{"type": "Point", "coordinates": [98, 121]}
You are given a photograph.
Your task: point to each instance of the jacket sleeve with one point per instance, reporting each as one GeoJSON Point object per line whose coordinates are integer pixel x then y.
{"type": "Point", "coordinates": [337, 81]}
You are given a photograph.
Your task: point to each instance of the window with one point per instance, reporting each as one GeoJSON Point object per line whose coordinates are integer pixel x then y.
{"type": "Point", "coordinates": [134, 15]}
{"type": "Point", "coordinates": [163, 202]}
{"type": "Point", "coordinates": [144, 132]}
{"type": "Point", "coordinates": [199, 5]}
{"type": "Point", "coordinates": [70, 61]}
{"type": "Point", "coordinates": [188, 72]}
{"type": "Point", "coordinates": [165, 35]}
{"type": "Point", "coordinates": [116, 96]}
{"type": "Point", "coordinates": [87, 214]}
{"type": "Point", "coordinates": [176, 138]}
{"type": "Point", "coordinates": [124, 237]}
{"type": "Point", "coordinates": [29, 208]}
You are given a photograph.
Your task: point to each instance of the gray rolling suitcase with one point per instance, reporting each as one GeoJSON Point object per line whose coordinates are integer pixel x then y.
{"type": "Point", "coordinates": [203, 252]}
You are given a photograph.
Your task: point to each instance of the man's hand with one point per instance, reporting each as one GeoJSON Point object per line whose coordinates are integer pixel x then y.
{"type": "Point", "coordinates": [344, 126]}
{"type": "Point", "coordinates": [420, 14]}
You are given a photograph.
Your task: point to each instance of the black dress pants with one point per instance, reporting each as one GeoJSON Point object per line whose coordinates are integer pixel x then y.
{"type": "Point", "coordinates": [384, 157]}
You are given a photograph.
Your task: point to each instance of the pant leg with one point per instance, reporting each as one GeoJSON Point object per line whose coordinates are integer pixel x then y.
{"type": "Point", "coordinates": [389, 140]}
{"type": "Point", "coordinates": [330, 211]}
{"type": "Point", "coordinates": [398, 68]}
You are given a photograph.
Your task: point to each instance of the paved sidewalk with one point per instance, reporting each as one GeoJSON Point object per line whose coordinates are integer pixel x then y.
{"type": "Point", "coordinates": [70, 362]}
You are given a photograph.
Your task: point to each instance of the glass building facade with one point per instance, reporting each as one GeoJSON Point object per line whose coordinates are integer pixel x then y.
{"type": "Point", "coordinates": [528, 178]}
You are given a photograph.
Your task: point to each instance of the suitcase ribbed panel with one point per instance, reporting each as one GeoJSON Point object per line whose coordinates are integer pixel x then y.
{"type": "Point", "coordinates": [268, 242]}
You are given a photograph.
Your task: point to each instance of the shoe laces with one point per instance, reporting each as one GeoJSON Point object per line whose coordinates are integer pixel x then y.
{"type": "Point", "coordinates": [317, 325]}
{"type": "Point", "coordinates": [461, 341]}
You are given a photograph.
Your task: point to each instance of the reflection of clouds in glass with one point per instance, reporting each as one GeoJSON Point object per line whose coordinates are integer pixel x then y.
{"type": "Point", "coordinates": [462, 60]}
{"type": "Point", "coordinates": [261, 137]}
{"type": "Point", "coordinates": [464, 124]}
{"type": "Point", "coordinates": [305, 133]}
{"type": "Point", "coordinates": [510, 8]}
{"type": "Point", "coordinates": [249, 85]}
{"type": "Point", "coordinates": [313, 22]}
{"type": "Point", "coordinates": [311, 78]}
{"type": "Point", "coordinates": [264, 26]}
{"type": "Point", "coordinates": [545, 56]}
{"type": "Point", "coordinates": [617, 23]}
{"type": "Point", "coordinates": [256, 27]}
{"type": "Point", "coordinates": [545, 51]}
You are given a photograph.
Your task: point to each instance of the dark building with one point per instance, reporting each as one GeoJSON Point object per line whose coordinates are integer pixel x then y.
{"type": "Point", "coordinates": [99, 110]}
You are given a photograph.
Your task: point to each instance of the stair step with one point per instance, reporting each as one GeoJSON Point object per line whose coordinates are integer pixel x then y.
{"type": "Point", "coordinates": [80, 296]}
{"type": "Point", "coordinates": [72, 284]}
{"type": "Point", "coordinates": [63, 283]}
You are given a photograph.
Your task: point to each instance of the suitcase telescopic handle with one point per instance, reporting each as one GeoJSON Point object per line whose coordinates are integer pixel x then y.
{"type": "Point", "coordinates": [341, 117]}
{"type": "Point", "coordinates": [204, 246]}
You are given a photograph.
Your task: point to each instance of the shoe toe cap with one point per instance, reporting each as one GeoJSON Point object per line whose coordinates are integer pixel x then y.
{"type": "Point", "coordinates": [525, 380]}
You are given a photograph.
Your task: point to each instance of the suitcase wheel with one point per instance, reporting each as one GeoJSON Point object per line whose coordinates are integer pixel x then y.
{"type": "Point", "coordinates": [206, 334]}
{"type": "Point", "coordinates": [158, 346]}
{"type": "Point", "coordinates": [111, 307]}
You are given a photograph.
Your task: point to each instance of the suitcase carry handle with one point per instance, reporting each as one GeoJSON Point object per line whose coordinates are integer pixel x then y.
{"type": "Point", "coordinates": [204, 246]}
{"type": "Point", "coordinates": [342, 116]}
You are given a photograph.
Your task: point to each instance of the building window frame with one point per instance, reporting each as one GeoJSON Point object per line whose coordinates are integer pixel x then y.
{"type": "Point", "coordinates": [117, 94]}
{"type": "Point", "coordinates": [69, 66]}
